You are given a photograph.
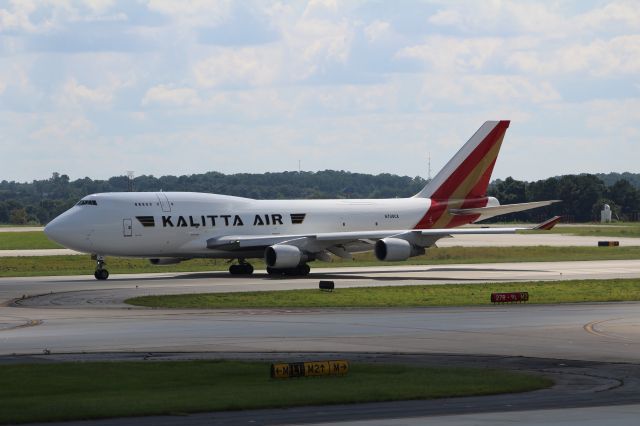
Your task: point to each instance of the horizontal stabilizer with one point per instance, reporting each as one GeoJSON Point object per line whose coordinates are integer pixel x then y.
{"type": "Point", "coordinates": [548, 224]}
{"type": "Point", "coordinates": [499, 210]}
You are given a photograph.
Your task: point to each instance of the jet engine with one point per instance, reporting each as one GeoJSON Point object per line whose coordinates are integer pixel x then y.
{"type": "Point", "coordinates": [283, 256]}
{"type": "Point", "coordinates": [165, 261]}
{"type": "Point", "coordinates": [395, 249]}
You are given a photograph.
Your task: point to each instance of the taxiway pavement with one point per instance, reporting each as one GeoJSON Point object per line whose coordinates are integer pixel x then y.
{"type": "Point", "coordinates": [75, 315]}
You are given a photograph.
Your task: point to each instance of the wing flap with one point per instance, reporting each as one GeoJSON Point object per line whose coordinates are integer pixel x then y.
{"type": "Point", "coordinates": [504, 209]}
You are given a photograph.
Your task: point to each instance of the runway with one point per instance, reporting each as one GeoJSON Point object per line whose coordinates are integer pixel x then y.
{"type": "Point", "coordinates": [79, 291]}
{"type": "Point", "coordinates": [72, 314]}
{"type": "Point", "coordinates": [75, 315]}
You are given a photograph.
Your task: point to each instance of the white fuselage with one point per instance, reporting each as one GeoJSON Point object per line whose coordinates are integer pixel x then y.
{"type": "Point", "coordinates": [178, 224]}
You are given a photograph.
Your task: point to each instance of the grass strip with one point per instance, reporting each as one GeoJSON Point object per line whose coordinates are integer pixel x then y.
{"type": "Point", "coordinates": [616, 290]}
{"type": "Point", "coordinates": [81, 265]}
{"type": "Point", "coordinates": [29, 240]}
{"type": "Point", "coordinates": [73, 391]}
{"type": "Point", "coordinates": [622, 230]}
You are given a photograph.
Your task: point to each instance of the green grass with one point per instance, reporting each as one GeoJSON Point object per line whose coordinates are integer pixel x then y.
{"type": "Point", "coordinates": [71, 391]}
{"type": "Point", "coordinates": [404, 296]}
{"type": "Point", "coordinates": [26, 241]}
{"type": "Point", "coordinates": [610, 230]}
{"type": "Point", "coordinates": [82, 265]}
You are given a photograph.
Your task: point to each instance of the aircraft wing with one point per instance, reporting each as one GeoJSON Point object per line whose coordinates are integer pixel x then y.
{"type": "Point", "coordinates": [487, 212]}
{"type": "Point", "coordinates": [344, 243]}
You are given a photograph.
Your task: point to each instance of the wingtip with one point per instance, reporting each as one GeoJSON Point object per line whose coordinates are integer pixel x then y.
{"type": "Point", "coordinates": [548, 224]}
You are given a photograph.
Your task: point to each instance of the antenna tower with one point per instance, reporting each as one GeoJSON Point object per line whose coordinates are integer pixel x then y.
{"type": "Point", "coordinates": [130, 175]}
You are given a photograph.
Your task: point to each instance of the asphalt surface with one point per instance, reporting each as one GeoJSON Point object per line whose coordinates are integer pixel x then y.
{"type": "Point", "coordinates": [592, 350]}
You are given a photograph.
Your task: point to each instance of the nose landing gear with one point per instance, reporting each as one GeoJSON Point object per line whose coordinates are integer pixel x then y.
{"type": "Point", "coordinates": [101, 273]}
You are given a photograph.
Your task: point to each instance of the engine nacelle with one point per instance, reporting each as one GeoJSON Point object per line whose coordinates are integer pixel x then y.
{"type": "Point", "coordinates": [283, 256]}
{"type": "Point", "coordinates": [396, 249]}
{"type": "Point", "coordinates": [166, 261]}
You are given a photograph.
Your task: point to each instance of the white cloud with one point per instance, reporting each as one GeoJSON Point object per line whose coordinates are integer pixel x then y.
{"type": "Point", "coordinates": [193, 12]}
{"type": "Point", "coordinates": [57, 129]}
{"type": "Point", "coordinates": [76, 93]}
{"type": "Point", "coordinates": [17, 17]}
{"type": "Point", "coordinates": [313, 44]}
{"type": "Point", "coordinates": [619, 55]}
{"type": "Point", "coordinates": [550, 20]}
{"type": "Point", "coordinates": [165, 95]}
{"type": "Point", "coordinates": [330, 74]}
{"type": "Point", "coordinates": [377, 30]}
{"type": "Point", "coordinates": [99, 6]}
{"type": "Point", "coordinates": [487, 88]}
{"type": "Point", "coordinates": [487, 17]}
{"type": "Point", "coordinates": [255, 66]}
{"type": "Point", "coordinates": [454, 54]}
{"type": "Point", "coordinates": [612, 17]}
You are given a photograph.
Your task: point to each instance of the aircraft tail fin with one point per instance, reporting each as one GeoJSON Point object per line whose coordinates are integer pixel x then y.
{"type": "Point", "coordinates": [467, 174]}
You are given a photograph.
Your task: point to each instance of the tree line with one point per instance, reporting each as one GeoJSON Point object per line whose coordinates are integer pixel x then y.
{"type": "Point", "coordinates": [39, 201]}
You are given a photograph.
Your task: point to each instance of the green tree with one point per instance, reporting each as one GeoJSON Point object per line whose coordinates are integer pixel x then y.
{"type": "Point", "coordinates": [625, 197]}
{"type": "Point", "coordinates": [18, 216]}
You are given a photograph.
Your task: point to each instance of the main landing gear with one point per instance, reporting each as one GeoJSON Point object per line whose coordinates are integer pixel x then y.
{"type": "Point", "coordinates": [101, 273]}
{"type": "Point", "coordinates": [242, 268]}
{"type": "Point", "coordinates": [301, 270]}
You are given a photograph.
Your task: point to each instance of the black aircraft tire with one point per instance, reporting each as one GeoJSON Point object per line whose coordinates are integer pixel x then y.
{"type": "Point", "coordinates": [304, 269]}
{"type": "Point", "coordinates": [101, 274]}
{"type": "Point", "coordinates": [242, 269]}
{"type": "Point", "coordinates": [273, 271]}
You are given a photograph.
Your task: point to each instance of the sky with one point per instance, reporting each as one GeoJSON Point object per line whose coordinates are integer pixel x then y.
{"type": "Point", "coordinates": [98, 87]}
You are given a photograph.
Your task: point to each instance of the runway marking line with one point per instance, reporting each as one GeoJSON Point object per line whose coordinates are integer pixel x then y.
{"type": "Point", "coordinates": [591, 328]}
{"type": "Point", "coordinates": [29, 323]}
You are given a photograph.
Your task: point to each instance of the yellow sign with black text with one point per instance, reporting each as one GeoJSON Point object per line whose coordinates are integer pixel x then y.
{"type": "Point", "coordinates": [309, 369]}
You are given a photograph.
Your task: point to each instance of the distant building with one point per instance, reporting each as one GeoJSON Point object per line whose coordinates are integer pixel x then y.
{"type": "Point", "coordinates": [605, 214]}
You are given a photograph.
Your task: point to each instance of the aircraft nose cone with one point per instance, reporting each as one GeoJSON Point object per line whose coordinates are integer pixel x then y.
{"type": "Point", "coordinates": [69, 231]}
{"type": "Point", "coordinates": [55, 230]}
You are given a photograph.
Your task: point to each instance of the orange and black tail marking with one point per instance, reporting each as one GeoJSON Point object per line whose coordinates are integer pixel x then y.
{"type": "Point", "coordinates": [463, 182]}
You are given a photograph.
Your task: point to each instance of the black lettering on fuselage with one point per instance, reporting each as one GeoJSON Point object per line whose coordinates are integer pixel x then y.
{"type": "Point", "coordinates": [210, 220]}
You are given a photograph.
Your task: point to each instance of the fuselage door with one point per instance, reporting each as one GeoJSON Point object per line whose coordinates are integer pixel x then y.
{"type": "Point", "coordinates": [164, 201]}
{"type": "Point", "coordinates": [127, 227]}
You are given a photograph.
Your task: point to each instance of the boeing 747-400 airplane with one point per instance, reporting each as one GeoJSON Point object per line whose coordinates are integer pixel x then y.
{"type": "Point", "coordinates": [169, 227]}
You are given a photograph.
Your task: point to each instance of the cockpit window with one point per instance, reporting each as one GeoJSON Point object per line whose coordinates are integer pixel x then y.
{"type": "Point", "coordinates": [87, 202]}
